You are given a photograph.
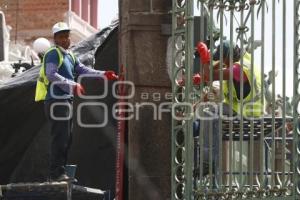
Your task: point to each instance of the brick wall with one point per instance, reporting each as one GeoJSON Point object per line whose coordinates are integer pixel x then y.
{"type": "Point", "coordinates": [31, 19]}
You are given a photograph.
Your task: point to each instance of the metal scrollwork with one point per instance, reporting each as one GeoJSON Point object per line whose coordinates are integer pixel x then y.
{"type": "Point", "coordinates": [230, 5]}
{"type": "Point", "coordinates": [297, 97]}
{"type": "Point", "coordinates": [181, 3]}
{"type": "Point", "coordinates": [203, 1]}
{"type": "Point", "coordinates": [252, 2]}
{"type": "Point", "coordinates": [242, 29]}
{"type": "Point", "coordinates": [243, 5]}
{"type": "Point", "coordinates": [221, 5]}
{"type": "Point", "coordinates": [212, 4]}
{"type": "Point", "coordinates": [178, 71]}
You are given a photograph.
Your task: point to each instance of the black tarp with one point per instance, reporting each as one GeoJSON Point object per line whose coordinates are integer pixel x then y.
{"type": "Point", "coordinates": [24, 135]}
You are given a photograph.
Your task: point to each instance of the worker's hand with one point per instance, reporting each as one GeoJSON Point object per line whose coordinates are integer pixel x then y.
{"type": "Point", "coordinates": [197, 79]}
{"type": "Point", "coordinates": [111, 75]}
{"type": "Point", "coordinates": [203, 53]}
{"type": "Point", "coordinates": [78, 90]}
{"type": "Point", "coordinates": [181, 82]}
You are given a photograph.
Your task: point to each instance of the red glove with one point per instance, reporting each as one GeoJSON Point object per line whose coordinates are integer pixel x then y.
{"type": "Point", "coordinates": [111, 75]}
{"type": "Point", "coordinates": [203, 53]}
{"type": "Point", "coordinates": [78, 90]}
{"type": "Point", "coordinates": [196, 79]}
{"type": "Point", "coordinates": [181, 82]}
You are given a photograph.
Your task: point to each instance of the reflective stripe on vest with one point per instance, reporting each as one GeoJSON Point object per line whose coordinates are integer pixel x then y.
{"type": "Point", "coordinates": [42, 81]}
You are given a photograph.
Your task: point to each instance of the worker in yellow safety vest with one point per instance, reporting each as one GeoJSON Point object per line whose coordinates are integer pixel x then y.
{"type": "Point", "coordinates": [251, 94]}
{"type": "Point", "coordinates": [56, 86]}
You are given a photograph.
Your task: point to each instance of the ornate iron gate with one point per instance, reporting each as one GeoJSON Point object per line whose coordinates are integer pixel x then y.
{"type": "Point", "coordinates": [256, 157]}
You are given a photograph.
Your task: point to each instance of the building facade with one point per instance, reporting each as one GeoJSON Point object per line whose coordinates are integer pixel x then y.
{"type": "Point", "coordinates": [30, 19]}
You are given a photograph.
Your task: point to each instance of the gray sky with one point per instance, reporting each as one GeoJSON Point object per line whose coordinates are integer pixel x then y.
{"type": "Point", "coordinates": [108, 10]}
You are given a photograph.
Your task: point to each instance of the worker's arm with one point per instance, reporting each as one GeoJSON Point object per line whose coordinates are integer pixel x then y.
{"type": "Point", "coordinates": [236, 69]}
{"type": "Point", "coordinates": [204, 54]}
{"type": "Point", "coordinates": [81, 69]}
{"type": "Point", "coordinates": [216, 72]}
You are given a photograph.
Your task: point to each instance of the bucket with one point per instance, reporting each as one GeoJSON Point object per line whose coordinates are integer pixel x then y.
{"type": "Point", "coordinates": [71, 170]}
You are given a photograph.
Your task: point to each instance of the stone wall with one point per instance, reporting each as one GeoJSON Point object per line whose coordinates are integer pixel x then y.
{"type": "Point", "coordinates": [143, 49]}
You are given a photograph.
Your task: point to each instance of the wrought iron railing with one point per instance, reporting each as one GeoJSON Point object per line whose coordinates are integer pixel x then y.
{"type": "Point", "coordinates": [256, 157]}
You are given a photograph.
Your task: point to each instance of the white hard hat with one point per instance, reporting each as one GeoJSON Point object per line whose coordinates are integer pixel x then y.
{"type": "Point", "coordinates": [60, 26]}
{"type": "Point", "coordinates": [41, 45]}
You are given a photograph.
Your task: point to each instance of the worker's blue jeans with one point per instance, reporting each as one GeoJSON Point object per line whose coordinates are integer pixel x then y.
{"type": "Point", "coordinates": [59, 115]}
{"type": "Point", "coordinates": [209, 120]}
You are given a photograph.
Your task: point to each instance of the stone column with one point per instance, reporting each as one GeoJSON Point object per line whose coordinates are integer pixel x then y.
{"type": "Point", "coordinates": [85, 10]}
{"type": "Point", "coordinates": [94, 13]}
{"type": "Point", "coordinates": [143, 49]}
{"type": "Point", "coordinates": [76, 7]}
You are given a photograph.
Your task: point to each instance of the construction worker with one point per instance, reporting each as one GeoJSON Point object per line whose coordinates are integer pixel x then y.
{"type": "Point", "coordinates": [250, 97]}
{"type": "Point", "coordinates": [56, 86]}
{"type": "Point", "coordinates": [251, 93]}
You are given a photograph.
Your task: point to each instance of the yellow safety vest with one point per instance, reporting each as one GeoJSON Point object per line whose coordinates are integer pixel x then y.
{"type": "Point", "coordinates": [252, 107]}
{"type": "Point", "coordinates": [42, 81]}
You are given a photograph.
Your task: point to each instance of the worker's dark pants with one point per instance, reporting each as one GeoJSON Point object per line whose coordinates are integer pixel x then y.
{"type": "Point", "coordinates": [59, 115]}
